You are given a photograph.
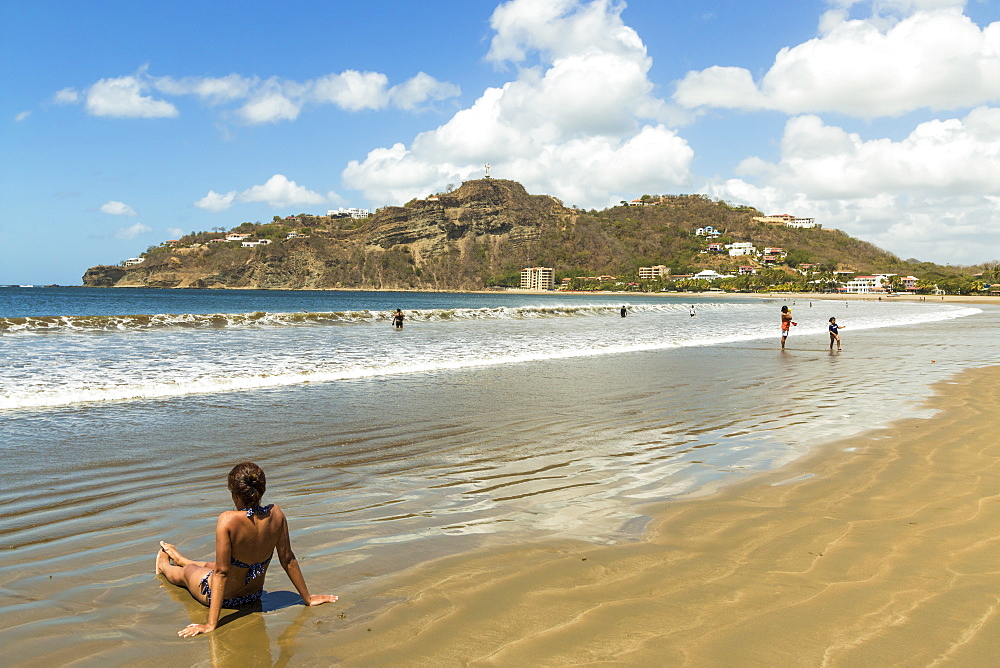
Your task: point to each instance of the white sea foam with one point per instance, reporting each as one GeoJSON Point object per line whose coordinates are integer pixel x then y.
{"type": "Point", "coordinates": [127, 358]}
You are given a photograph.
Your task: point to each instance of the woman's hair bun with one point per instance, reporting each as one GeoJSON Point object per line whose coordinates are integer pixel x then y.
{"type": "Point", "coordinates": [247, 481]}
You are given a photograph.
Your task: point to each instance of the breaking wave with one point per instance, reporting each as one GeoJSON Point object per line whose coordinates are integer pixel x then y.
{"type": "Point", "coordinates": [83, 323]}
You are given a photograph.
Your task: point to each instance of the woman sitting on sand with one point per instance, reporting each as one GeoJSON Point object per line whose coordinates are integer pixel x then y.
{"type": "Point", "coordinates": [245, 540]}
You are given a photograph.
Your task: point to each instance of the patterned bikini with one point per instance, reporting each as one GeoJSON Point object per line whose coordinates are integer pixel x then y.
{"type": "Point", "coordinates": [254, 571]}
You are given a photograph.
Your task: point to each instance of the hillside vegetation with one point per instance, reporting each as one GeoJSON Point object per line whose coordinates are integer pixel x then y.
{"type": "Point", "coordinates": [482, 235]}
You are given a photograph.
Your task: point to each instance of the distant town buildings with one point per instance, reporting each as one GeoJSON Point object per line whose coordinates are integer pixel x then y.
{"type": "Point", "coordinates": [538, 278]}
{"type": "Point", "coordinates": [352, 212]}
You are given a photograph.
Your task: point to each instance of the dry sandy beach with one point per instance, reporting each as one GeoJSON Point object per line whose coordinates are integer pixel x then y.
{"type": "Point", "coordinates": [880, 550]}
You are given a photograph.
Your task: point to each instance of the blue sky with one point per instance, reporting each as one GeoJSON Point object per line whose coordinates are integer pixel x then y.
{"type": "Point", "coordinates": [124, 124]}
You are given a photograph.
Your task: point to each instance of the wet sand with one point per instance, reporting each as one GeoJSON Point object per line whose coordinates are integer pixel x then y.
{"type": "Point", "coordinates": [879, 550]}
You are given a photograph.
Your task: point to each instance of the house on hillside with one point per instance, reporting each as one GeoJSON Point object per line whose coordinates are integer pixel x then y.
{"type": "Point", "coordinates": [787, 220]}
{"type": "Point", "coordinates": [740, 248]}
{"type": "Point", "coordinates": [353, 212]}
{"type": "Point", "coordinates": [708, 231]}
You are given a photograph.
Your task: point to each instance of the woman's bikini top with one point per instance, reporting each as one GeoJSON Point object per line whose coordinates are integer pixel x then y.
{"type": "Point", "coordinates": [254, 571]}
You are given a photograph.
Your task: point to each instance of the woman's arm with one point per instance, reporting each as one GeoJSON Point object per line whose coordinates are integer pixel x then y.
{"type": "Point", "coordinates": [291, 566]}
{"type": "Point", "coordinates": [216, 581]}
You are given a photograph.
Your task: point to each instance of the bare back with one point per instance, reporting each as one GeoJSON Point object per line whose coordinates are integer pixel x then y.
{"type": "Point", "coordinates": [247, 544]}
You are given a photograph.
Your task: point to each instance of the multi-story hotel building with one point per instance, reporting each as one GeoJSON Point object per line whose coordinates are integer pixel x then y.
{"type": "Point", "coordinates": [656, 271]}
{"type": "Point", "coordinates": [538, 278]}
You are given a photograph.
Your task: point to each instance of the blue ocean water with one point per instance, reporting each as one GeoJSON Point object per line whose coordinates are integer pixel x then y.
{"type": "Point", "coordinates": [488, 418]}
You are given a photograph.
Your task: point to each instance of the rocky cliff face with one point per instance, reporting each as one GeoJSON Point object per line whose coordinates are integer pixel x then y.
{"type": "Point", "coordinates": [449, 241]}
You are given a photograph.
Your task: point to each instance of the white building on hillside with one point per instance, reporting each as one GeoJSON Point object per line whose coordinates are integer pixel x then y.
{"type": "Point", "coordinates": [352, 212]}
{"type": "Point", "coordinates": [538, 278]}
{"type": "Point", "coordinates": [787, 220]}
{"type": "Point", "coordinates": [740, 248]}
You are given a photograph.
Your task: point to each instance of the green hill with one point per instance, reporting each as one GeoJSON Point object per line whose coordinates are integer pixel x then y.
{"type": "Point", "coordinates": [483, 234]}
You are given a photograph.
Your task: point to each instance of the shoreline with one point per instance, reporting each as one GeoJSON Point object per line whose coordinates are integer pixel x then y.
{"type": "Point", "coordinates": [875, 550]}
{"type": "Point", "coordinates": [960, 299]}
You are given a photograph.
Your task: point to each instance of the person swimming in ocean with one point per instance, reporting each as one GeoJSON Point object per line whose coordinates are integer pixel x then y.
{"type": "Point", "coordinates": [397, 319]}
{"type": "Point", "coordinates": [251, 532]}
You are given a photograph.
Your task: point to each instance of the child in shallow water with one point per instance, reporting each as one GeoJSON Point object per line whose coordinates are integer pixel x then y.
{"type": "Point", "coordinates": [252, 532]}
{"type": "Point", "coordinates": [834, 333]}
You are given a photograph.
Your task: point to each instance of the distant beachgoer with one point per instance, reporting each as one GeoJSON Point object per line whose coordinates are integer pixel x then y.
{"type": "Point", "coordinates": [786, 323]}
{"type": "Point", "coordinates": [624, 312]}
{"type": "Point", "coordinates": [397, 319]}
{"type": "Point", "coordinates": [834, 333]}
{"type": "Point", "coordinates": [251, 532]}
{"type": "Point", "coordinates": [693, 312]}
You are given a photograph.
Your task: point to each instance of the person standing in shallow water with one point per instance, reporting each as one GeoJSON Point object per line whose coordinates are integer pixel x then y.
{"type": "Point", "coordinates": [834, 333]}
{"type": "Point", "coordinates": [786, 323]}
{"type": "Point", "coordinates": [397, 319]}
{"type": "Point", "coordinates": [245, 541]}
{"type": "Point", "coordinates": [624, 312]}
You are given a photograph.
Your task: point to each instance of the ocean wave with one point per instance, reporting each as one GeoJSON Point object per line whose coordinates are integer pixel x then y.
{"type": "Point", "coordinates": [148, 381]}
{"type": "Point", "coordinates": [106, 323]}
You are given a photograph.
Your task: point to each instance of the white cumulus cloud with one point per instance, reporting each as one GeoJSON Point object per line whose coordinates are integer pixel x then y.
{"type": "Point", "coordinates": [277, 191]}
{"type": "Point", "coordinates": [66, 96]}
{"type": "Point", "coordinates": [116, 208]}
{"type": "Point", "coordinates": [124, 97]}
{"type": "Point", "coordinates": [214, 201]}
{"type": "Point", "coordinates": [269, 107]}
{"type": "Point", "coordinates": [133, 231]}
{"type": "Point", "coordinates": [934, 58]}
{"type": "Point", "coordinates": [421, 88]}
{"type": "Point", "coordinates": [253, 100]}
{"type": "Point", "coordinates": [578, 121]}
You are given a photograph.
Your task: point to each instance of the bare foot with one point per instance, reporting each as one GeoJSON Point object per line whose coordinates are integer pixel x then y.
{"type": "Point", "coordinates": [176, 558]}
